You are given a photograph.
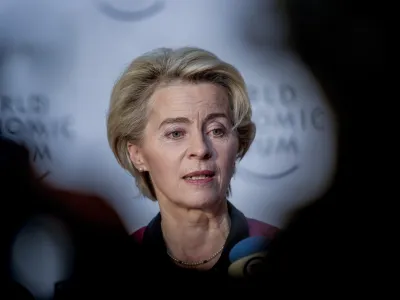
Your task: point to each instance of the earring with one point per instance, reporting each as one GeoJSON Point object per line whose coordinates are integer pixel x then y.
{"type": "Point", "coordinates": [140, 170]}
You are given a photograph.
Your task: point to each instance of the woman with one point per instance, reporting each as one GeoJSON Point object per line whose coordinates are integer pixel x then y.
{"type": "Point", "coordinates": [178, 122]}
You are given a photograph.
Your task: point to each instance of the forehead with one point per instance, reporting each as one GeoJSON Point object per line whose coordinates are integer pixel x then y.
{"type": "Point", "coordinates": [189, 100]}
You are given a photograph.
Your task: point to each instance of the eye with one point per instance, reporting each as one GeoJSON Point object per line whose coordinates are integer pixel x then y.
{"type": "Point", "coordinates": [176, 134]}
{"type": "Point", "coordinates": [218, 132]}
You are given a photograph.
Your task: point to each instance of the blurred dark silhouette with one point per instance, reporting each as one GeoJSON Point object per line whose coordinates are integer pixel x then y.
{"type": "Point", "coordinates": [102, 246]}
{"type": "Point", "coordinates": [324, 246]}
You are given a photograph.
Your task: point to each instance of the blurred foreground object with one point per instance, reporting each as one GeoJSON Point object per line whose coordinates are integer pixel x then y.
{"type": "Point", "coordinates": [98, 237]}
{"type": "Point", "coordinates": [322, 246]}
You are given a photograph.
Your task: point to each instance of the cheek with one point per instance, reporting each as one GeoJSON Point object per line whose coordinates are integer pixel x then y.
{"type": "Point", "coordinates": [233, 149]}
{"type": "Point", "coordinates": [227, 155]}
{"type": "Point", "coordinates": [161, 160]}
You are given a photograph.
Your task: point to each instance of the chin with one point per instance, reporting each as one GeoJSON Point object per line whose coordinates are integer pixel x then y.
{"type": "Point", "coordinates": [201, 202]}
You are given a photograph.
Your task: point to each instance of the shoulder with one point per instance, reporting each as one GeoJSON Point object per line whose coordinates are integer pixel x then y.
{"type": "Point", "coordinates": [138, 234]}
{"type": "Point", "coordinates": [260, 228]}
{"type": "Point", "coordinates": [153, 226]}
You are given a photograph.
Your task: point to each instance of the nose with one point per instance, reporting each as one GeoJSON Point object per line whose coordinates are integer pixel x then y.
{"type": "Point", "coordinates": [200, 147]}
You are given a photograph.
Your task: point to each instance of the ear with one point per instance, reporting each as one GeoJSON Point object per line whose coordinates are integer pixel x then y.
{"type": "Point", "coordinates": [136, 157]}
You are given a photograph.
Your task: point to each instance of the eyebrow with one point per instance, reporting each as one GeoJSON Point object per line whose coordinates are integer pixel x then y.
{"type": "Point", "coordinates": [187, 121]}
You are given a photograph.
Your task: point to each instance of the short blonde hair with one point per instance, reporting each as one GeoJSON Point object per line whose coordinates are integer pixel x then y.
{"type": "Point", "coordinates": [128, 111]}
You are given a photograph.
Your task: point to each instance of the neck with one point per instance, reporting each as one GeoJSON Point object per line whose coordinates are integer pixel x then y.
{"type": "Point", "coordinates": [195, 234]}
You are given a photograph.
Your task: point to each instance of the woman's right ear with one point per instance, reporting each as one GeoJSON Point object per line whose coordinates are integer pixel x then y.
{"type": "Point", "coordinates": [135, 155]}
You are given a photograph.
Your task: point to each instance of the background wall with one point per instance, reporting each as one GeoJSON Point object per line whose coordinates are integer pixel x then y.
{"type": "Point", "coordinates": [59, 60]}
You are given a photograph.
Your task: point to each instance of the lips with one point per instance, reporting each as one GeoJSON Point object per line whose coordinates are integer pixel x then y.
{"type": "Point", "coordinates": [198, 175]}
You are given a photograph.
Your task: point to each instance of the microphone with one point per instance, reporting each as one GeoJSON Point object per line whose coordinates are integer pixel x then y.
{"type": "Point", "coordinates": [247, 257]}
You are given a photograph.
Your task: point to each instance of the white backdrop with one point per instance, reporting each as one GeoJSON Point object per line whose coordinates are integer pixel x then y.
{"type": "Point", "coordinates": [61, 58]}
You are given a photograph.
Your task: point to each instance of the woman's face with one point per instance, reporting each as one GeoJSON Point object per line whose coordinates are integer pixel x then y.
{"type": "Point", "coordinates": [189, 148]}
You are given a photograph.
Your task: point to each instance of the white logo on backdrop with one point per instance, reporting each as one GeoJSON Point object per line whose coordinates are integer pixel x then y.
{"type": "Point", "coordinates": [281, 119]}
{"type": "Point", "coordinates": [128, 10]}
{"type": "Point", "coordinates": [28, 120]}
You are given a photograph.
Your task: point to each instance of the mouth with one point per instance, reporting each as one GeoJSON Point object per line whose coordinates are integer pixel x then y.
{"type": "Point", "coordinates": [200, 176]}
